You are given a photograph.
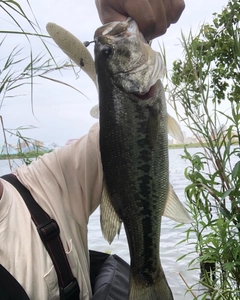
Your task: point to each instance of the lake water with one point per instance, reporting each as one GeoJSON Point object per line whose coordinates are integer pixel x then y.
{"type": "Point", "coordinates": [176, 271]}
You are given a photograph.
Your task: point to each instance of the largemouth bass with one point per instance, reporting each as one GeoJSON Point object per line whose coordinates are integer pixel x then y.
{"type": "Point", "coordinates": [134, 151]}
{"type": "Point", "coordinates": [133, 146]}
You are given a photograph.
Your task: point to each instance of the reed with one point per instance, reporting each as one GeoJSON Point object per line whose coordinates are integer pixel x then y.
{"type": "Point", "coordinates": [20, 67]}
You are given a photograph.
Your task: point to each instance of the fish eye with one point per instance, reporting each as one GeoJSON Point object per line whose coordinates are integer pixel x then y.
{"type": "Point", "coordinates": [107, 51]}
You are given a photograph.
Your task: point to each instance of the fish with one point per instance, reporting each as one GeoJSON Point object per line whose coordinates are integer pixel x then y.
{"type": "Point", "coordinates": [78, 52]}
{"type": "Point", "coordinates": [133, 143]}
{"type": "Point", "coordinates": [110, 220]}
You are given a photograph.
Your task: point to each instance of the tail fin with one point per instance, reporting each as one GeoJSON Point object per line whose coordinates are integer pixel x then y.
{"type": "Point", "coordinates": [159, 290]}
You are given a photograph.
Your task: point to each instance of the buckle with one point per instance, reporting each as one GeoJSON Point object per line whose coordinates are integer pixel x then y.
{"type": "Point", "coordinates": [71, 291]}
{"type": "Point", "coordinates": [48, 230]}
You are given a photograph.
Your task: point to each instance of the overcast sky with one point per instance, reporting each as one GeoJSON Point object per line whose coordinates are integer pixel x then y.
{"type": "Point", "coordinates": [61, 113]}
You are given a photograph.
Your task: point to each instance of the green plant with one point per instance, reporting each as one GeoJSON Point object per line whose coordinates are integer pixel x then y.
{"type": "Point", "coordinates": [19, 69]}
{"type": "Point", "coordinates": [204, 90]}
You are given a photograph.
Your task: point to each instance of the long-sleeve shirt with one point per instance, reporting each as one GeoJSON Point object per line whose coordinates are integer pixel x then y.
{"type": "Point", "coordinates": [67, 184]}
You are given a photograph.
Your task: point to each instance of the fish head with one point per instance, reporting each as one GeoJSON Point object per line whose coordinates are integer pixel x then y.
{"type": "Point", "coordinates": [122, 52]}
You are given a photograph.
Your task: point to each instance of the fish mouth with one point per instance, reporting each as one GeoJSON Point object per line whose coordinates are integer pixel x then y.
{"type": "Point", "coordinates": [151, 93]}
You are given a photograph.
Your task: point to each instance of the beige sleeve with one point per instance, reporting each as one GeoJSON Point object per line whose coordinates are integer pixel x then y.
{"type": "Point", "coordinates": [71, 175]}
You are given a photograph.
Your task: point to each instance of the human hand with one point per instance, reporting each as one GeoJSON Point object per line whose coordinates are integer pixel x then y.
{"type": "Point", "coordinates": [152, 16]}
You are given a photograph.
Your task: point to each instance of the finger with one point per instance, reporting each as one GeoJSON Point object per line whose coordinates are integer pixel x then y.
{"type": "Point", "coordinates": [161, 22]}
{"type": "Point", "coordinates": [141, 11]}
{"type": "Point", "coordinates": [176, 9]}
{"type": "Point", "coordinates": [109, 12]}
{"type": "Point", "coordinates": [166, 12]}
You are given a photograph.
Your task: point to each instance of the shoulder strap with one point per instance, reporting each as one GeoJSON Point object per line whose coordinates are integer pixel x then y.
{"type": "Point", "coordinates": [49, 232]}
{"type": "Point", "coordinates": [10, 288]}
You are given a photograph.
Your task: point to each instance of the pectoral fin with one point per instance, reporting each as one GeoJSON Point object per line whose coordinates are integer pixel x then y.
{"type": "Point", "coordinates": [110, 222]}
{"type": "Point", "coordinates": [174, 129]}
{"type": "Point", "coordinates": [74, 49]}
{"type": "Point", "coordinates": [174, 209]}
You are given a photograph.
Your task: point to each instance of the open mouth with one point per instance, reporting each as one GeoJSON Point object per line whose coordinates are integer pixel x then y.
{"type": "Point", "coordinates": [152, 92]}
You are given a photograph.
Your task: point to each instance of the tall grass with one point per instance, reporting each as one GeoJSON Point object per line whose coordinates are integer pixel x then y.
{"type": "Point", "coordinates": [20, 66]}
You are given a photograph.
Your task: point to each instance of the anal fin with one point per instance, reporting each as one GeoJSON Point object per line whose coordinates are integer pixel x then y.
{"type": "Point", "coordinates": [110, 222]}
{"type": "Point", "coordinates": [174, 129]}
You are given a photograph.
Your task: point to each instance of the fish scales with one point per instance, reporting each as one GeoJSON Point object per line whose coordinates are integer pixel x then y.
{"type": "Point", "coordinates": [134, 153]}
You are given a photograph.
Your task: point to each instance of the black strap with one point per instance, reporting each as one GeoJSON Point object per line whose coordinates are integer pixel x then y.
{"type": "Point", "coordinates": [10, 288]}
{"type": "Point", "coordinates": [49, 232]}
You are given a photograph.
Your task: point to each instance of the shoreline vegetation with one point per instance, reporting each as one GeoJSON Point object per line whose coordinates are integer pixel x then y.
{"type": "Point", "coordinates": [32, 154]}
{"type": "Point", "coordinates": [35, 154]}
